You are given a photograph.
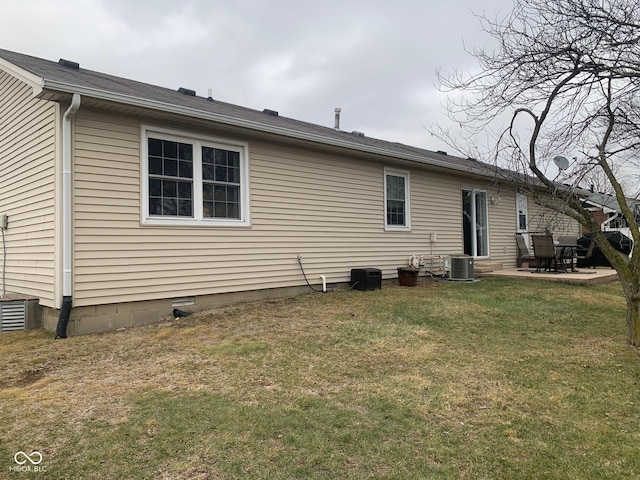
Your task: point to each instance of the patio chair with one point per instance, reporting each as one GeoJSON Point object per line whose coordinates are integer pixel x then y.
{"type": "Point", "coordinates": [545, 252]}
{"type": "Point", "coordinates": [523, 252]}
{"type": "Point", "coordinates": [585, 256]}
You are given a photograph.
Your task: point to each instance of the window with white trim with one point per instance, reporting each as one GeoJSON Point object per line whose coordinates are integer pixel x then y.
{"type": "Point", "coordinates": [396, 200]}
{"type": "Point", "coordinates": [193, 180]}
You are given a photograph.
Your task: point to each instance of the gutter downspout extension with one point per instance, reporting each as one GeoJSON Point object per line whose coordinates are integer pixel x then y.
{"type": "Point", "coordinates": [67, 223]}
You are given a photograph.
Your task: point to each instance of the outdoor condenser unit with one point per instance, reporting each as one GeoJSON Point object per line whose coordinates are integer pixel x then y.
{"type": "Point", "coordinates": [461, 268]}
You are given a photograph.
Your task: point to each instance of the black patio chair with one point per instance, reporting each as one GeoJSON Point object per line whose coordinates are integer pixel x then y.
{"type": "Point", "coordinates": [584, 256]}
{"type": "Point", "coordinates": [545, 252]}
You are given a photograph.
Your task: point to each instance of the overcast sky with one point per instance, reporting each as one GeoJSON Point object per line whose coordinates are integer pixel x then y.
{"type": "Point", "coordinates": [374, 59]}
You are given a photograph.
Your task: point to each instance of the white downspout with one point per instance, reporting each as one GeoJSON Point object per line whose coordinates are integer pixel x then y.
{"type": "Point", "coordinates": [67, 217]}
{"type": "Point", "coordinates": [324, 283]}
{"type": "Point", "coordinates": [67, 196]}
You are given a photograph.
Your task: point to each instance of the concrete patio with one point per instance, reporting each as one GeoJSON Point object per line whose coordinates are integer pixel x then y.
{"type": "Point", "coordinates": [584, 276]}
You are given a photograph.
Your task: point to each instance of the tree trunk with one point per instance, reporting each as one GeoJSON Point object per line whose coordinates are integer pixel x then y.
{"type": "Point", "coordinates": [633, 322]}
{"type": "Point", "coordinates": [632, 294]}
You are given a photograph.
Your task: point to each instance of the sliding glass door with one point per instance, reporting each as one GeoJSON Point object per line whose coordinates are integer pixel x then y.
{"type": "Point", "coordinates": [475, 223]}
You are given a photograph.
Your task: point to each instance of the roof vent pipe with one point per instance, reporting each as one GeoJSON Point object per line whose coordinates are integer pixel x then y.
{"type": "Point", "coordinates": [337, 124]}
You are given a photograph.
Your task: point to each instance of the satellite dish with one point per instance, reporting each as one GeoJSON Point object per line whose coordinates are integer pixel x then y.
{"type": "Point", "coordinates": [561, 162]}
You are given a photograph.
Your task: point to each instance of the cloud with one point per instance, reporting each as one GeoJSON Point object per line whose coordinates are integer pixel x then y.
{"type": "Point", "coordinates": [375, 59]}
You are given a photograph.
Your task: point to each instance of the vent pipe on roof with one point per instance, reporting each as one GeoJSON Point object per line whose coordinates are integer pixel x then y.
{"type": "Point", "coordinates": [337, 124]}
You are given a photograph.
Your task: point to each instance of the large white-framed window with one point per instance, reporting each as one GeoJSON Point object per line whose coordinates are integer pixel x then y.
{"type": "Point", "coordinates": [397, 202]}
{"type": "Point", "coordinates": [193, 180]}
{"type": "Point", "coordinates": [475, 222]}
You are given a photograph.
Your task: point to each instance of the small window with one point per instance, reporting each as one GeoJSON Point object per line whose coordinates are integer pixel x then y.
{"type": "Point", "coordinates": [396, 199]}
{"type": "Point", "coordinates": [190, 180]}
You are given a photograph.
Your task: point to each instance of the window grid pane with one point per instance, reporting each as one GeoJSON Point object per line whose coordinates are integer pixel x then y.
{"type": "Point", "coordinates": [170, 178]}
{"type": "Point", "coordinates": [221, 183]}
{"type": "Point", "coordinates": [396, 200]}
{"type": "Point", "coordinates": [175, 172]}
{"type": "Point", "coordinates": [221, 201]}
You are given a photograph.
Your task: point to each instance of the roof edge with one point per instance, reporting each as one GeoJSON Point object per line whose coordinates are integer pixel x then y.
{"type": "Point", "coordinates": [203, 115]}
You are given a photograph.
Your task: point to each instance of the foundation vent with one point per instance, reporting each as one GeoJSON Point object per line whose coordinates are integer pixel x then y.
{"type": "Point", "coordinates": [13, 316]}
{"type": "Point", "coordinates": [183, 302]}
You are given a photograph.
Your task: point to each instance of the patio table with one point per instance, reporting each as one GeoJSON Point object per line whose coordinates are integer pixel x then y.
{"type": "Point", "coordinates": [566, 252]}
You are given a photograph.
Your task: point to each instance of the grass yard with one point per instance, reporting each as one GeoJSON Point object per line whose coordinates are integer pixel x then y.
{"type": "Point", "coordinates": [499, 379]}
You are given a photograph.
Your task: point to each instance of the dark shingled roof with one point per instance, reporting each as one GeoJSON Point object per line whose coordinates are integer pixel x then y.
{"type": "Point", "coordinates": [58, 77]}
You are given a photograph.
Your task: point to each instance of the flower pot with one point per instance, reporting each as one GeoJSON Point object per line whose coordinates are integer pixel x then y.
{"type": "Point", "coordinates": [407, 277]}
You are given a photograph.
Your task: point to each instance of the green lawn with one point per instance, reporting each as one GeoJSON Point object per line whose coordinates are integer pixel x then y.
{"type": "Point", "coordinates": [498, 379]}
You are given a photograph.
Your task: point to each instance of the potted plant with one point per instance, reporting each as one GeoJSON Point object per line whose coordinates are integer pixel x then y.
{"type": "Point", "coordinates": [408, 275]}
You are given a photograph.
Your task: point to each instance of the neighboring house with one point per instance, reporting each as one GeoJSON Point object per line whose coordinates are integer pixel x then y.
{"type": "Point", "coordinates": [607, 211]}
{"type": "Point", "coordinates": [125, 200]}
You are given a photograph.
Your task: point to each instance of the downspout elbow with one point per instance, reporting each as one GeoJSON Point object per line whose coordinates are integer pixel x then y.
{"type": "Point", "coordinates": [76, 99]}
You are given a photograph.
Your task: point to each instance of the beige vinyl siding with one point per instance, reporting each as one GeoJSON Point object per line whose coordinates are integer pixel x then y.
{"type": "Point", "coordinates": [27, 162]}
{"type": "Point", "coordinates": [542, 219]}
{"type": "Point", "coordinates": [502, 227]}
{"type": "Point", "coordinates": [328, 209]}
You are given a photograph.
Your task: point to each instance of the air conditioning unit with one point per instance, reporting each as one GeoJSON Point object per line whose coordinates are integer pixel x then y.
{"type": "Point", "coordinates": [13, 316]}
{"type": "Point", "coordinates": [461, 268]}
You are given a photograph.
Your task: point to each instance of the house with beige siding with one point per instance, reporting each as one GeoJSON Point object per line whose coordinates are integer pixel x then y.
{"type": "Point", "coordinates": [125, 200]}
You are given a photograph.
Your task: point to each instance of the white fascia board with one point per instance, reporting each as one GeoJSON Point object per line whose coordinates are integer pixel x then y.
{"type": "Point", "coordinates": [227, 120]}
{"type": "Point", "coordinates": [31, 79]}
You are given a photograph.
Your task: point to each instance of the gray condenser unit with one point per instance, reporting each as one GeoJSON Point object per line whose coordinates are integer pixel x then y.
{"type": "Point", "coordinates": [461, 268]}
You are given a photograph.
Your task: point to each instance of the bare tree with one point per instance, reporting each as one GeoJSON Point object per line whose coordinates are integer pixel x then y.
{"type": "Point", "coordinates": [563, 79]}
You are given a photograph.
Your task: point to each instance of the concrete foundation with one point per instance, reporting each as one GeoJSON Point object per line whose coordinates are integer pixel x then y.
{"type": "Point", "coordinates": [101, 318]}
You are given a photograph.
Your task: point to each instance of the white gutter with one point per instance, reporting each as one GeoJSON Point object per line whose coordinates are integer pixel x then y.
{"type": "Point", "coordinates": [67, 196]}
{"type": "Point", "coordinates": [262, 127]}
